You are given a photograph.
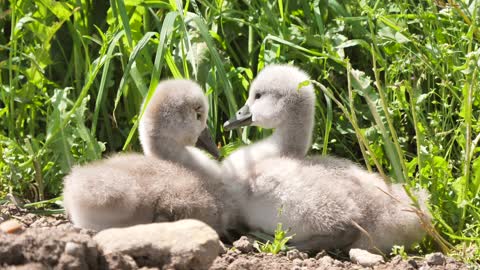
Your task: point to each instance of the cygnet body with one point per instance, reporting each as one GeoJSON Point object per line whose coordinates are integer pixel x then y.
{"type": "Point", "coordinates": [172, 181]}
{"type": "Point", "coordinates": [322, 200]}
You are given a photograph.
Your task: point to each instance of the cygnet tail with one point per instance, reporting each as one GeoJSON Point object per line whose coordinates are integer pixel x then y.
{"type": "Point", "coordinates": [420, 197]}
{"type": "Point", "coordinates": [401, 222]}
{"type": "Point", "coordinates": [96, 198]}
{"type": "Point", "coordinates": [414, 216]}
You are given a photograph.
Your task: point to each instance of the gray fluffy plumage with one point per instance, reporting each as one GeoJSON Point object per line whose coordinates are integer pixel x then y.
{"type": "Point", "coordinates": [172, 181]}
{"type": "Point", "coordinates": [322, 199]}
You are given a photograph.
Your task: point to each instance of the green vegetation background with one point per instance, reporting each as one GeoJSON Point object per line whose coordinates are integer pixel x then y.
{"type": "Point", "coordinates": [397, 84]}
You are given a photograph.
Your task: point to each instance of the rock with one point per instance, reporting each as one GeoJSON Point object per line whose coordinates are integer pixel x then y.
{"type": "Point", "coordinates": [296, 254]}
{"type": "Point", "coordinates": [184, 244]}
{"type": "Point", "coordinates": [364, 258]}
{"type": "Point", "coordinates": [436, 258]}
{"type": "Point", "coordinates": [11, 226]}
{"type": "Point", "coordinates": [74, 249]}
{"type": "Point", "coordinates": [243, 244]}
{"type": "Point", "coordinates": [47, 246]}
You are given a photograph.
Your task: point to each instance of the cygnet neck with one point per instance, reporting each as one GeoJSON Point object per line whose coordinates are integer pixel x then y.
{"type": "Point", "coordinates": [294, 136]}
{"type": "Point", "coordinates": [167, 148]}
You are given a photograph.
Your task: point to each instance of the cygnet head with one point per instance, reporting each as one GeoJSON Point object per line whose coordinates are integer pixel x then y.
{"type": "Point", "coordinates": [176, 115]}
{"type": "Point", "coordinates": [277, 96]}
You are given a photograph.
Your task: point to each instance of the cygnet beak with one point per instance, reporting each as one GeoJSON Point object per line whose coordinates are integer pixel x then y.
{"type": "Point", "coordinates": [205, 141]}
{"type": "Point", "coordinates": [242, 118]}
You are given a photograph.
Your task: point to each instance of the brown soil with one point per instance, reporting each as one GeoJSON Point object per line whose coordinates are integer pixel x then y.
{"type": "Point", "coordinates": [51, 242]}
{"type": "Point", "coordinates": [232, 261]}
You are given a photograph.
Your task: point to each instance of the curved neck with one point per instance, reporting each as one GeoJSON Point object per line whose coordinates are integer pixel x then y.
{"type": "Point", "coordinates": [294, 136]}
{"type": "Point", "coordinates": [161, 146]}
{"type": "Point", "coordinates": [166, 148]}
{"type": "Point", "coordinates": [293, 140]}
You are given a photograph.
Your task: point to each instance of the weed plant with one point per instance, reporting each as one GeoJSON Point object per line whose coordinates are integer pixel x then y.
{"type": "Point", "coordinates": [277, 244]}
{"type": "Point", "coordinates": [397, 84]}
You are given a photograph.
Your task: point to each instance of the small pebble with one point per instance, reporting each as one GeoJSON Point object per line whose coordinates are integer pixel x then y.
{"type": "Point", "coordinates": [74, 249]}
{"type": "Point", "coordinates": [325, 260]}
{"type": "Point", "coordinates": [243, 244]}
{"type": "Point", "coordinates": [11, 226]}
{"type": "Point", "coordinates": [311, 262]}
{"type": "Point", "coordinates": [297, 262]}
{"type": "Point", "coordinates": [294, 254]}
{"type": "Point", "coordinates": [436, 258]}
{"type": "Point", "coordinates": [364, 258]}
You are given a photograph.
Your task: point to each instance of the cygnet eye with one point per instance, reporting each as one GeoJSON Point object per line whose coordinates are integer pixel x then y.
{"type": "Point", "coordinates": [258, 95]}
{"type": "Point", "coordinates": [199, 115]}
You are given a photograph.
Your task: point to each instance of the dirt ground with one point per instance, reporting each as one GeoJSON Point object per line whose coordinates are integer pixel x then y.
{"type": "Point", "coordinates": [51, 242]}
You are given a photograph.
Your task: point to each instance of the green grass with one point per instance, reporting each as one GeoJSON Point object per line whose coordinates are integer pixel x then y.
{"type": "Point", "coordinates": [397, 84]}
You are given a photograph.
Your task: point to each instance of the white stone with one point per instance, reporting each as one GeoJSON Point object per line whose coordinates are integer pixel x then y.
{"type": "Point", "coordinates": [184, 244]}
{"type": "Point", "coordinates": [364, 258]}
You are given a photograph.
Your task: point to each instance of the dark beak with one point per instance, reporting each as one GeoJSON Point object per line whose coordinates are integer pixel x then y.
{"type": "Point", "coordinates": [242, 118]}
{"type": "Point", "coordinates": [205, 141]}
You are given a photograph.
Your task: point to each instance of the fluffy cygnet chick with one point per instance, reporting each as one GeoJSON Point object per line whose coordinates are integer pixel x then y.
{"type": "Point", "coordinates": [172, 181]}
{"type": "Point", "coordinates": [323, 199]}
{"type": "Point", "coordinates": [275, 101]}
